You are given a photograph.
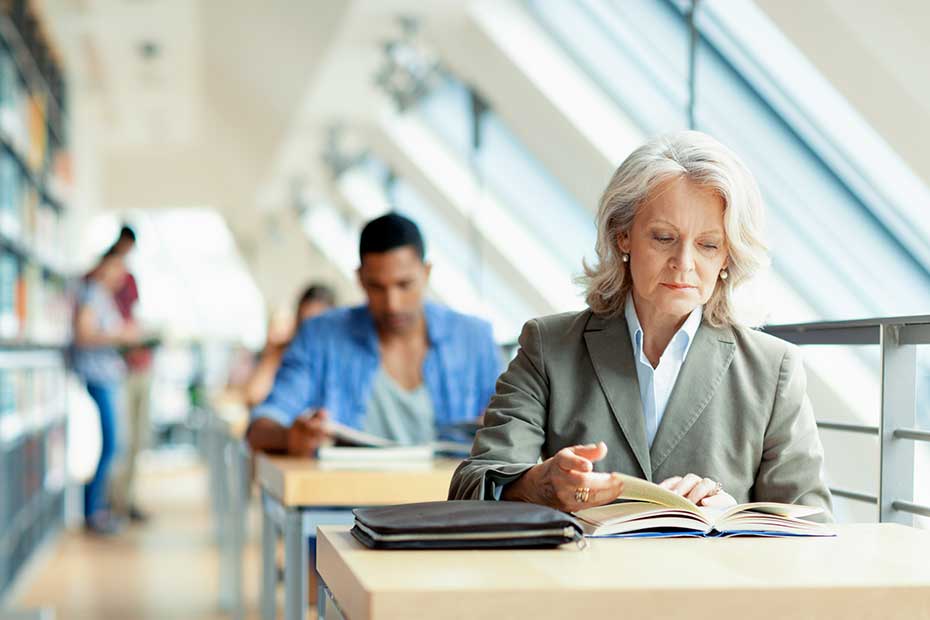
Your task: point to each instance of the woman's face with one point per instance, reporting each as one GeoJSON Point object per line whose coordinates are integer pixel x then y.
{"type": "Point", "coordinates": [677, 248]}
{"type": "Point", "coordinates": [112, 272]}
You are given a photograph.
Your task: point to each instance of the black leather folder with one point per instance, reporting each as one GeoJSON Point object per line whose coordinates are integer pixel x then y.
{"type": "Point", "coordinates": [464, 524]}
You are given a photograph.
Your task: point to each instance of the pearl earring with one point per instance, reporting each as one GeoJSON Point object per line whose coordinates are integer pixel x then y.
{"type": "Point", "coordinates": [723, 274]}
{"type": "Point", "coordinates": [625, 257]}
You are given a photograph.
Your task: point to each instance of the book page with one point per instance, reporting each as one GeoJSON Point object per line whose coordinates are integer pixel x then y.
{"type": "Point", "coordinates": [635, 516]}
{"type": "Point", "coordinates": [645, 506]}
{"type": "Point", "coordinates": [793, 511]}
{"type": "Point", "coordinates": [643, 490]}
{"type": "Point", "coordinates": [613, 513]}
{"type": "Point", "coordinates": [355, 437]}
{"type": "Point", "coordinates": [771, 517]}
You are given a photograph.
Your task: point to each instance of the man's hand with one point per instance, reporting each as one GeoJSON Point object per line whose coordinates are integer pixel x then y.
{"type": "Point", "coordinates": [306, 434]}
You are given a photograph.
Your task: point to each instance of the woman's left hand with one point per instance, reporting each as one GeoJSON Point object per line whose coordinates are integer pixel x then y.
{"type": "Point", "coordinates": [701, 491]}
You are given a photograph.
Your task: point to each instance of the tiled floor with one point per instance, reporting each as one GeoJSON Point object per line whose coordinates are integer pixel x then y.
{"type": "Point", "coordinates": [165, 569]}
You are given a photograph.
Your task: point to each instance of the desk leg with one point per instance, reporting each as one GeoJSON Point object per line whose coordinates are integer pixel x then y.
{"type": "Point", "coordinates": [225, 519]}
{"type": "Point", "coordinates": [239, 506]}
{"type": "Point", "coordinates": [269, 570]}
{"type": "Point", "coordinates": [296, 566]}
{"type": "Point", "coordinates": [326, 607]}
{"type": "Point", "coordinates": [217, 483]}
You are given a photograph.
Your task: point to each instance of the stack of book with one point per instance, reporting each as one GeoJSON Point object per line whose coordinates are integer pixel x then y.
{"type": "Point", "coordinates": [355, 449]}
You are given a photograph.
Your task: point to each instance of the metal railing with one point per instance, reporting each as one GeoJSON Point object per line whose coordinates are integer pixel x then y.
{"type": "Point", "coordinates": [897, 338]}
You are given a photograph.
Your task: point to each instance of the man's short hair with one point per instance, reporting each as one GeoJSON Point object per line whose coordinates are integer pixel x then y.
{"type": "Point", "coordinates": [390, 232]}
{"type": "Point", "coordinates": [317, 292]}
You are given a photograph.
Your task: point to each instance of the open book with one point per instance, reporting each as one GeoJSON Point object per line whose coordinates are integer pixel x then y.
{"type": "Point", "coordinates": [365, 445]}
{"type": "Point", "coordinates": [647, 510]}
{"type": "Point", "coordinates": [348, 436]}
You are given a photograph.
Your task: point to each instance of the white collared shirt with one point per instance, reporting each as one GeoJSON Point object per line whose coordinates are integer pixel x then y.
{"type": "Point", "coordinates": [655, 384]}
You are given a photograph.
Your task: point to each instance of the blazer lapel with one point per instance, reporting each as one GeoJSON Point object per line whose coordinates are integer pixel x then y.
{"type": "Point", "coordinates": [608, 342]}
{"type": "Point", "coordinates": [704, 368]}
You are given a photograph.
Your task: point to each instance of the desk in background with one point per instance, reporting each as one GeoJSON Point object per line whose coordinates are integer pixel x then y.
{"type": "Point", "coordinates": [295, 496]}
{"type": "Point", "coordinates": [868, 571]}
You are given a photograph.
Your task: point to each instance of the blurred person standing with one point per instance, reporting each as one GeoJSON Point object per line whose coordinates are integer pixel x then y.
{"type": "Point", "coordinates": [99, 332]}
{"type": "Point", "coordinates": [315, 300]}
{"type": "Point", "coordinates": [137, 392]}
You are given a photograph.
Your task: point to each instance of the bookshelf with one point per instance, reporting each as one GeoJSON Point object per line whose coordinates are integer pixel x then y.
{"type": "Point", "coordinates": [35, 305]}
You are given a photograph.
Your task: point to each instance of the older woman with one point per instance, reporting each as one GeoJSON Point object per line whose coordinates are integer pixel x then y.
{"type": "Point", "coordinates": [656, 378]}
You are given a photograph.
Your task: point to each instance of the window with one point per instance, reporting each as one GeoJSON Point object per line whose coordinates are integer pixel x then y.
{"type": "Point", "coordinates": [189, 254]}
{"type": "Point", "coordinates": [849, 254]}
{"type": "Point", "coordinates": [460, 277]}
{"type": "Point", "coordinates": [522, 186]}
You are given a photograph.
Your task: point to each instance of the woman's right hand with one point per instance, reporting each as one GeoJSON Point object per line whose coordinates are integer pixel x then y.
{"type": "Point", "coordinates": [129, 335]}
{"type": "Point", "coordinates": [556, 482]}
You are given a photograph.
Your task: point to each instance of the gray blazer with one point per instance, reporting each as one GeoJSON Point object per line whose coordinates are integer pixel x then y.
{"type": "Point", "coordinates": [738, 413]}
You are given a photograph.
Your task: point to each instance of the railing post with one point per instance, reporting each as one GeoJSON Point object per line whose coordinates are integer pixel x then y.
{"type": "Point", "coordinates": [899, 410]}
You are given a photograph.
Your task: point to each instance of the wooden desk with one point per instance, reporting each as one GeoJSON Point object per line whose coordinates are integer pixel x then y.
{"type": "Point", "coordinates": [296, 494]}
{"type": "Point", "coordinates": [304, 482]}
{"type": "Point", "coordinates": [872, 571]}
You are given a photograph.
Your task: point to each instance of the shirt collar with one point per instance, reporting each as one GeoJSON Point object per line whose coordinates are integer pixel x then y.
{"type": "Point", "coordinates": [437, 324]}
{"type": "Point", "coordinates": [681, 341]}
{"type": "Point", "coordinates": [438, 320]}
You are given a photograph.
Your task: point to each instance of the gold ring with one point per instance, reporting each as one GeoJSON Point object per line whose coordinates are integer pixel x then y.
{"type": "Point", "coordinates": [581, 494]}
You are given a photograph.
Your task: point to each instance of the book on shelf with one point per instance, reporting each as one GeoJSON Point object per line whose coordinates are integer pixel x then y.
{"type": "Point", "coordinates": [10, 196]}
{"type": "Point", "coordinates": [9, 274]}
{"type": "Point", "coordinates": [9, 83]}
{"type": "Point", "coordinates": [646, 510]}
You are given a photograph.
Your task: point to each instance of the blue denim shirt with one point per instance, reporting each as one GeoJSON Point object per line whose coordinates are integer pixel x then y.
{"type": "Point", "coordinates": [332, 363]}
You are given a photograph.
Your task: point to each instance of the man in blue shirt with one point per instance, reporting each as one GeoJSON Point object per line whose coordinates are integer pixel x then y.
{"type": "Point", "coordinates": [398, 367]}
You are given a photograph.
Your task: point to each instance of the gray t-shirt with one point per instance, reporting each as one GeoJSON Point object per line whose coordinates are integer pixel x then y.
{"type": "Point", "coordinates": [99, 364]}
{"type": "Point", "coordinates": [394, 413]}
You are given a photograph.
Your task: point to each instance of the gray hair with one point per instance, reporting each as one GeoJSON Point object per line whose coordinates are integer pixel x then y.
{"type": "Point", "coordinates": [707, 163]}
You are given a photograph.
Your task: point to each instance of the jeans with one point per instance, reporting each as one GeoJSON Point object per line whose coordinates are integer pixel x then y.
{"type": "Point", "coordinates": [105, 395]}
